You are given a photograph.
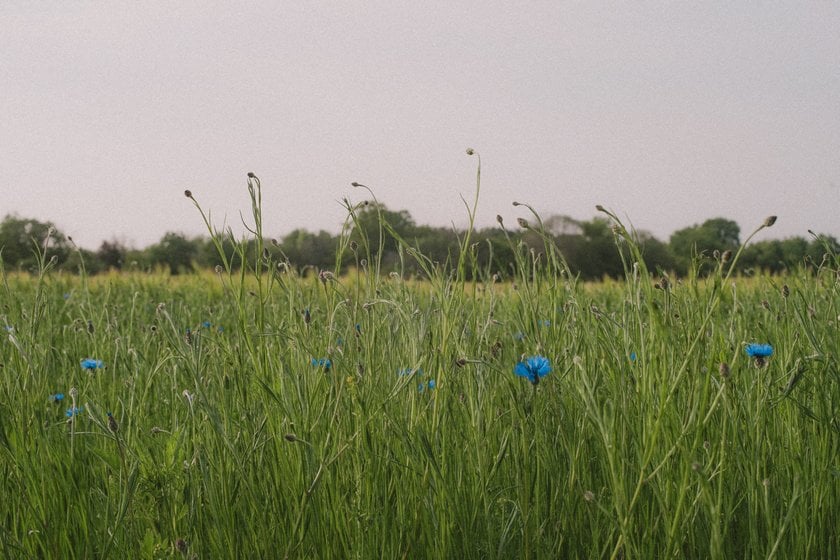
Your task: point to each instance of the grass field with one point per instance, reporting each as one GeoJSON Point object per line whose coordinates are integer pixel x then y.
{"type": "Point", "coordinates": [258, 414]}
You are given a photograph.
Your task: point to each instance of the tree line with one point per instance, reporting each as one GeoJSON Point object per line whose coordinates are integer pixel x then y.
{"type": "Point", "coordinates": [588, 246]}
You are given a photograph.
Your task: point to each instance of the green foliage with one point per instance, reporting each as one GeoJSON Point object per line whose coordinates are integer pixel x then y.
{"type": "Point", "coordinates": [22, 239]}
{"type": "Point", "coordinates": [654, 436]}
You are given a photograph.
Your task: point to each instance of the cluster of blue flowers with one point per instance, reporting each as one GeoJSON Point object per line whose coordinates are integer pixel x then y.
{"type": "Point", "coordinates": [75, 411]}
{"type": "Point", "coordinates": [322, 362]}
{"type": "Point", "coordinates": [430, 385]}
{"type": "Point", "coordinates": [56, 398]}
{"type": "Point", "coordinates": [90, 363]}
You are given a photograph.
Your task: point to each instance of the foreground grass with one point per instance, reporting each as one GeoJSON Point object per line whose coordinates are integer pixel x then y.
{"type": "Point", "coordinates": [252, 413]}
{"type": "Point", "coordinates": [231, 443]}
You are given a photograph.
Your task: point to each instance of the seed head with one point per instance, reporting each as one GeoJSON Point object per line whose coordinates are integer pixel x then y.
{"type": "Point", "coordinates": [723, 368]}
{"type": "Point", "coordinates": [726, 256]}
{"type": "Point", "coordinates": [188, 193]}
{"type": "Point", "coordinates": [589, 496]}
{"type": "Point", "coordinates": [112, 423]}
{"type": "Point", "coordinates": [785, 291]}
{"type": "Point", "coordinates": [769, 221]}
{"type": "Point", "coordinates": [181, 546]}
{"type": "Point", "coordinates": [290, 437]}
{"type": "Point", "coordinates": [251, 175]}
{"type": "Point", "coordinates": [470, 151]}
{"type": "Point", "coordinates": [73, 393]}
{"type": "Point", "coordinates": [500, 220]}
{"type": "Point", "coordinates": [523, 223]}
{"type": "Point", "coordinates": [599, 208]}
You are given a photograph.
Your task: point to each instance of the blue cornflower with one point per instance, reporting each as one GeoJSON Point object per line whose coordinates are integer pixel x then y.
{"type": "Point", "coordinates": [430, 385]}
{"type": "Point", "coordinates": [10, 329]}
{"type": "Point", "coordinates": [759, 350]}
{"type": "Point", "coordinates": [57, 398]}
{"type": "Point", "coordinates": [545, 323]}
{"type": "Point", "coordinates": [533, 368]}
{"type": "Point", "coordinates": [206, 324]}
{"type": "Point", "coordinates": [632, 356]}
{"type": "Point", "coordinates": [339, 341]}
{"type": "Point", "coordinates": [322, 362]}
{"type": "Point", "coordinates": [90, 363]}
{"type": "Point", "coordinates": [66, 296]}
{"type": "Point", "coordinates": [220, 329]}
{"type": "Point", "coordinates": [75, 411]}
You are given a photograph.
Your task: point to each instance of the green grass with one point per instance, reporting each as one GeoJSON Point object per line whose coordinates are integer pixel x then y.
{"type": "Point", "coordinates": [234, 442]}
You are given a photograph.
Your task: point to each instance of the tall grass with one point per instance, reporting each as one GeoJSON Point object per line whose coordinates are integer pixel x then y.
{"type": "Point", "coordinates": [655, 436]}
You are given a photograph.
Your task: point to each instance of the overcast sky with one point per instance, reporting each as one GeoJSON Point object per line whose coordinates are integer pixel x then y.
{"type": "Point", "coordinates": [668, 114]}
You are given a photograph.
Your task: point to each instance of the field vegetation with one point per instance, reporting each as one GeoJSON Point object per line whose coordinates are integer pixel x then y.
{"type": "Point", "coordinates": [354, 412]}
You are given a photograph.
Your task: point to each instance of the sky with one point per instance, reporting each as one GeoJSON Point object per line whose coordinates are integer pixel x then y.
{"type": "Point", "coordinates": [666, 113]}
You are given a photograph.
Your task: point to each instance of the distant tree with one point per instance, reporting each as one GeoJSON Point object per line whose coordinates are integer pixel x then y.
{"type": "Point", "coordinates": [303, 248]}
{"type": "Point", "coordinates": [111, 254]}
{"type": "Point", "coordinates": [367, 227]}
{"type": "Point", "coordinates": [716, 234]}
{"type": "Point", "coordinates": [20, 238]}
{"type": "Point", "coordinates": [175, 251]}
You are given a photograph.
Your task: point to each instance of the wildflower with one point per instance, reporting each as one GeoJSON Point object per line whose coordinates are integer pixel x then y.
{"type": "Point", "coordinates": [322, 362]}
{"type": "Point", "coordinates": [74, 411]}
{"type": "Point", "coordinates": [206, 324]}
{"type": "Point", "coordinates": [430, 385]}
{"type": "Point", "coordinates": [519, 335]}
{"type": "Point", "coordinates": [220, 329]}
{"type": "Point", "coordinates": [307, 317]}
{"type": "Point", "coordinates": [533, 368]}
{"type": "Point", "coordinates": [545, 323]}
{"type": "Point", "coordinates": [759, 353]}
{"type": "Point", "coordinates": [57, 398]}
{"type": "Point", "coordinates": [769, 221]}
{"type": "Point", "coordinates": [90, 363]}
{"type": "Point", "coordinates": [632, 356]}
{"type": "Point", "coordinates": [759, 350]}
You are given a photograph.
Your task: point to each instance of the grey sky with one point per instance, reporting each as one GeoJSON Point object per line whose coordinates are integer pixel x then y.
{"type": "Point", "coordinates": [667, 113]}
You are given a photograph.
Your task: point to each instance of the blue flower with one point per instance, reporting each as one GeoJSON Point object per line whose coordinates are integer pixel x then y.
{"type": "Point", "coordinates": [430, 385]}
{"type": "Point", "coordinates": [90, 363]}
{"type": "Point", "coordinates": [57, 398]}
{"type": "Point", "coordinates": [759, 350]}
{"type": "Point", "coordinates": [206, 324]}
{"type": "Point", "coordinates": [71, 412]}
{"type": "Point", "coordinates": [519, 335]}
{"type": "Point", "coordinates": [322, 362]}
{"type": "Point", "coordinates": [632, 356]}
{"type": "Point", "coordinates": [220, 329]}
{"type": "Point", "coordinates": [545, 323]}
{"type": "Point", "coordinates": [533, 368]}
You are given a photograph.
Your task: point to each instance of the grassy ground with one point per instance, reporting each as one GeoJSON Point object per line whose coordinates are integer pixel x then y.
{"type": "Point", "coordinates": [263, 415]}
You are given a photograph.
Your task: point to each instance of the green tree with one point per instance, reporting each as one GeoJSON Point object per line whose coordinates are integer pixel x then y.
{"type": "Point", "coordinates": [21, 239]}
{"type": "Point", "coordinates": [175, 251]}
{"type": "Point", "coordinates": [700, 241]}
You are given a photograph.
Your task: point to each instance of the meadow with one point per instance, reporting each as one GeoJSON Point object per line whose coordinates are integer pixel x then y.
{"type": "Point", "coordinates": [251, 412]}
